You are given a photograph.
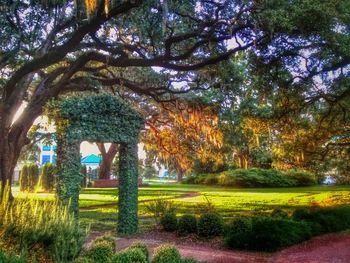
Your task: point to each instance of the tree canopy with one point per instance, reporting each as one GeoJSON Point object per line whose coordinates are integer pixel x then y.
{"type": "Point", "coordinates": [298, 47]}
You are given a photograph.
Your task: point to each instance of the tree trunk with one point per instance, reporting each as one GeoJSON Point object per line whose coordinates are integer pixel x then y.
{"type": "Point", "coordinates": [107, 159]}
{"type": "Point", "coordinates": [10, 148]}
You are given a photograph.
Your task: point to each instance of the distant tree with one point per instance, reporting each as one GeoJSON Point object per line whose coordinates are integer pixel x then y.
{"type": "Point", "coordinates": [24, 178]}
{"type": "Point", "coordinates": [180, 136]}
{"type": "Point", "coordinates": [107, 159]}
{"type": "Point", "coordinates": [33, 176]}
{"type": "Point", "coordinates": [48, 173]}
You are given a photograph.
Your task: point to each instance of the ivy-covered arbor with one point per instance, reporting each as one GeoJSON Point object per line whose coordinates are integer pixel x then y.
{"type": "Point", "coordinates": [97, 118]}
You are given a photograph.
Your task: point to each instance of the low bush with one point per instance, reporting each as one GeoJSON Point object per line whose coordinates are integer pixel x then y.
{"type": "Point", "coordinates": [142, 246]}
{"type": "Point", "coordinates": [279, 213]}
{"type": "Point", "coordinates": [255, 177]}
{"type": "Point", "coordinates": [238, 233]}
{"type": "Point", "coordinates": [211, 179]}
{"type": "Point", "coordinates": [210, 225]}
{"type": "Point", "coordinates": [100, 252]}
{"type": "Point", "coordinates": [4, 258]}
{"type": "Point", "coordinates": [302, 178]}
{"type": "Point", "coordinates": [105, 240]}
{"type": "Point", "coordinates": [187, 225]}
{"type": "Point", "coordinates": [29, 224]}
{"type": "Point", "coordinates": [130, 255]}
{"type": "Point", "coordinates": [83, 260]}
{"type": "Point", "coordinates": [166, 254]}
{"type": "Point", "coordinates": [325, 220]}
{"type": "Point", "coordinates": [169, 222]}
{"type": "Point", "coordinates": [160, 207]}
{"type": "Point", "coordinates": [265, 233]}
{"type": "Point", "coordinates": [188, 260]}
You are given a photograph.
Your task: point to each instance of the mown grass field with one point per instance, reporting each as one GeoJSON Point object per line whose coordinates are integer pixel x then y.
{"type": "Point", "coordinates": [98, 205]}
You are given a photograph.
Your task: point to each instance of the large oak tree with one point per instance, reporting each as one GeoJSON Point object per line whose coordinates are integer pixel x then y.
{"type": "Point", "coordinates": [50, 47]}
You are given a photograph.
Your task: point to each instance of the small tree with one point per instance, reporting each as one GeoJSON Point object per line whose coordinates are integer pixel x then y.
{"type": "Point", "coordinates": [33, 176]}
{"type": "Point", "coordinates": [48, 176]}
{"type": "Point", "coordinates": [24, 179]}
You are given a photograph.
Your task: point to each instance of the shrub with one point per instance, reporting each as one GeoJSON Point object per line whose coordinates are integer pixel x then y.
{"type": "Point", "coordinates": [160, 207]}
{"type": "Point", "coordinates": [106, 240]}
{"type": "Point", "coordinates": [226, 179]}
{"type": "Point", "coordinates": [142, 246]}
{"type": "Point", "coordinates": [278, 212]}
{"type": "Point", "coordinates": [300, 214]}
{"type": "Point", "coordinates": [187, 225]}
{"type": "Point", "coordinates": [265, 233]}
{"type": "Point", "coordinates": [166, 254]}
{"type": "Point", "coordinates": [256, 177]}
{"type": "Point", "coordinates": [238, 233]}
{"type": "Point", "coordinates": [130, 255]}
{"type": "Point", "coordinates": [270, 234]}
{"type": "Point", "coordinates": [325, 220]}
{"type": "Point", "coordinates": [24, 178]}
{"type": "Point", "coordinates": [32, 223]}
{"type": "Point", "coordinates": [211, 179]}
{"type": "Point", "coordinates": [169, 222]}
{"type": "Point", "coordinates": [100, 252]}
{"type": "Point", "coordinates": [48, 176]}
{"type": "Point", "coordinates": [210, 225]}
{"type": "Point", "coordinates": [188, 260]}
{"type": "Point", "coordinates": [4, 258]}
{"type": "Point", "coordinates": [33, 176]}
{"type": "Point", "coordinates": [302, 178]}
{"type": "Point", "coordinates": [83, 260]}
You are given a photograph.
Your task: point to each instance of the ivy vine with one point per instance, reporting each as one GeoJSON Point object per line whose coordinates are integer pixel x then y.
{"type": "Point", "coordinates": [97, 118]}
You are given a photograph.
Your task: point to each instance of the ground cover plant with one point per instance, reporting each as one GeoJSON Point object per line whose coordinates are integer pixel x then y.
{"type": "Point", "coordinates": [45, 231]}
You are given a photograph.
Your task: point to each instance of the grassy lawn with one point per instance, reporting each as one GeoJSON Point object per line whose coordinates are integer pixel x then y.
{"type": "Point", "coordinates": [99, 204]}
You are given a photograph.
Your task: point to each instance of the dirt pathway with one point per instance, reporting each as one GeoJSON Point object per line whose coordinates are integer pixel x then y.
{"type": "Point", "coordinates": [185, 195]}
{"type": "Point", "coordinates": [333, 248]}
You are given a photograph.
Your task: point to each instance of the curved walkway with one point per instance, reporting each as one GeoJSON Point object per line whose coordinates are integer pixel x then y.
{"type": "Point", "coordinates": [333, 248]}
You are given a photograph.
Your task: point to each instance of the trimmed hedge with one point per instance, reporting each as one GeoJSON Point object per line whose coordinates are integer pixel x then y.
{"type": "Point", "coordinates": [100, 252]}
{"type": "Point", "coordinates": [166, 254]}
{"type": "Point", "coordinates": [142, 246]}
{"type": "Point", "coordinates": [130, 255]}
{"type": "Point", "coordinates": [210, 225]}
{"type": "Point", "coordinates": [255, 177]}
{"type": "Point", "coordinates": [187, 225]}
{"type": "Point", "coordinates": [169, 222]}
{"type": "Point", "coordinates": [302, 178]}
{"type": "Point", "coordinates": [105, 240]}
{"type": "Point", "coordinates": [265, 233]}
{"type": "Point", "coordinates": [273, 233]}
{"type": "Point", "coordinates": [325, 220]}
{"type": "Point", "coordinates": [29, 177]}
{"type": "Point", "coordinates": [48, 176]}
